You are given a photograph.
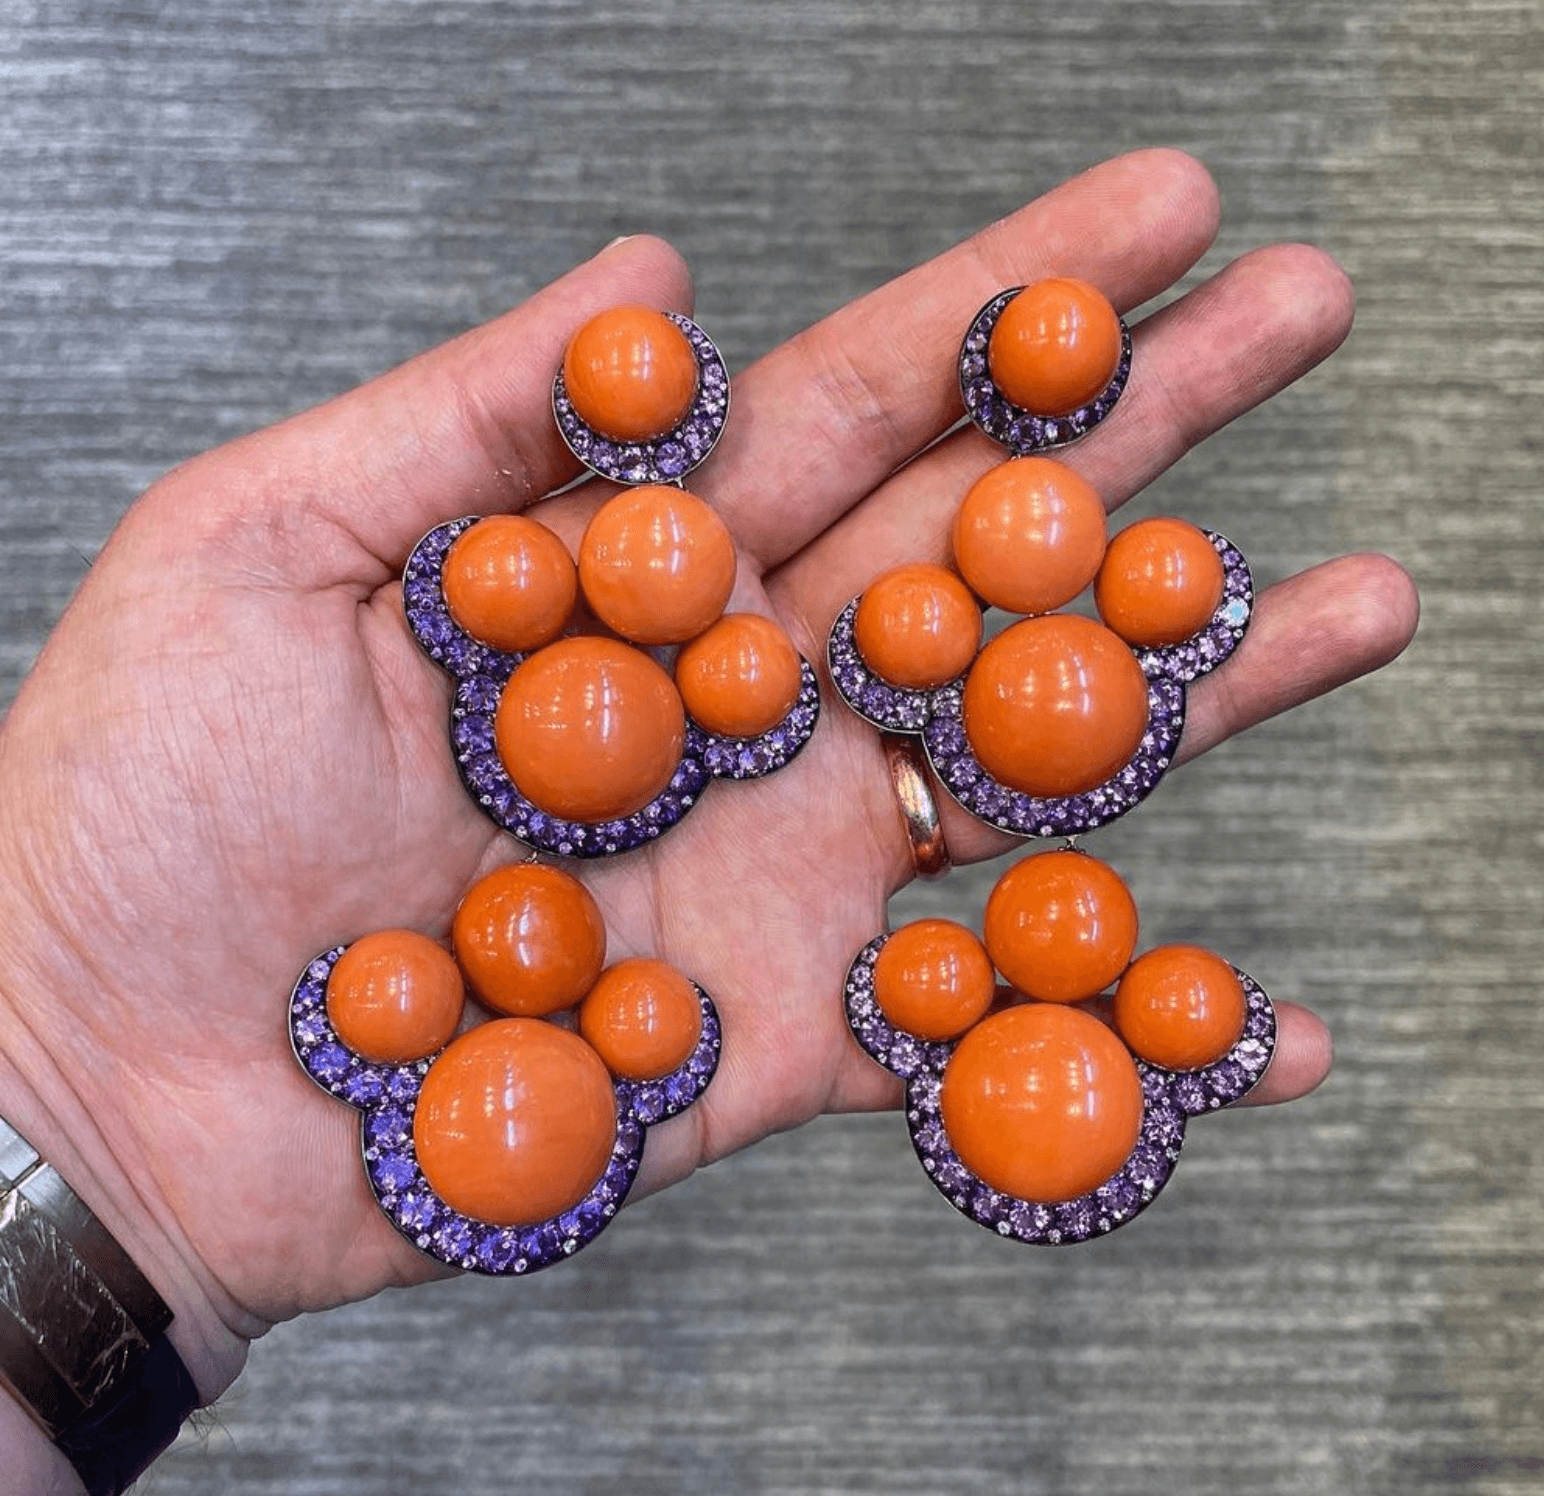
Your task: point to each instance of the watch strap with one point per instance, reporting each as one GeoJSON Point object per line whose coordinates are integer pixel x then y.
{"type": "Point", "coordinates": [82, 1331]}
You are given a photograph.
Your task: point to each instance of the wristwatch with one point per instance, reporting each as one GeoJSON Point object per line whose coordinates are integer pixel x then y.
{"type": "Point", "coordinates": [83, 1342]}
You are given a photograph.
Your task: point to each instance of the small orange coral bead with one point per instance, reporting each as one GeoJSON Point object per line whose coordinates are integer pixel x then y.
{"type": "Point", "coordinates": [917, 626]}
{"type": "Point", "coordinates": [630, 373]}
{"type": "Point", "coordinates": [515, 1122]}
{"type": "Point", "coordinates": [1160, 582]}
{"type": "Point", "coordinates": [932, 978]}
{"type": "Point", "coordinates": [530, 939]}
{"type": "Point", "coordinates": [1029, 535]}
{"type": "Point", "coordinates": [656, 564]}
{"type": "Point", "coordinates": [1181, 1007]}
{"type": "Point", "coordinates": [1055, 347]}
{"type": "Point", "coordinates": [394, 996]}
{"type": "Point", "coordinates": [1055, 705]}
{"type": "Point", "coordinates": [1042, 1101]}
{"type": "Point", "coordinates": [1061, 926]}
{"type": "Point", "coordinates": [741, 677]}
{"type": "Point", "coordinates": [590, 729]}
{"type": "Point", "coordinates": [510, 582]}
{"type": "Point", "coordinates": [643, 1018]}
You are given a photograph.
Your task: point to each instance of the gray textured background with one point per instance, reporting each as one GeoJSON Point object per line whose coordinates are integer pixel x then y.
{"type": "Point", "coordinates": [211, 216]}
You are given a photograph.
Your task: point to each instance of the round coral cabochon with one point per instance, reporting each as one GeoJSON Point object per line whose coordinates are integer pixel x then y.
{"type": "Point", "coordinates": [1061, 926]}
{"type": "Point", "coordinates": [1055, 347]}
{"type": "Point", "coordinates": [1029, 535]}
{"type": "Point", "coordinates": [1055, 705]}
{"type": "Point", "coordinates": [530, 939]}
{"type": "Point", "coordinates": [1180, 1006]}
{"type": "Point", "coordinates": [630, 373]}
{"type": "Point", "coordinates": [510, 582]}
{"type": "Point", "coordinates": [656, 564]}
{"type": "Point", "coordinates": [1042, 1102]}
{"type": "Point", "coordinates": [932, 978]}
{"type": "Point", "coordinates": [917, 626]}
{"type": "Point", "coordinates": [1160, 582]}
{"type": "Point", "coordinates": [741, 677]}
{"type": "Point", "coordinates": [590, 729]}
{"type": "Point", "coordinates": [643, 1018]}
{"type": "Point", "coordinates": [394, 996]}
{"type": "Point", "coordinates": [515, 1122]}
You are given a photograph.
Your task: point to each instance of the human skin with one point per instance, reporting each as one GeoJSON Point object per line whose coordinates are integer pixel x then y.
{"type": "Point", "coordinates": [231, 754]}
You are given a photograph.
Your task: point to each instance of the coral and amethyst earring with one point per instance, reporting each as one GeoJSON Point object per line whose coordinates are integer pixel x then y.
{"type": "Point", "coordinates": [1059, 723]}
{"type": "Point", "coordinates": [504, 1146]}
{"type": "Point", "coordinates": [583, 744]}
{"type": "Point", "coordinates": [1030, 1113]}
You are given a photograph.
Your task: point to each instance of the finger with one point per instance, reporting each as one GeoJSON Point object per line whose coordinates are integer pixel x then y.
{"type": "Point", "coordinates": [464, 428]}
{"type": "Point", "coordinates": [1309, 634]}
{"type": "Point", "coordinates": [1304, 1053]}
{"type": "Point", "coordinates": [1232, 343]}
{"type": "Point", "coordinates": [819, 422]}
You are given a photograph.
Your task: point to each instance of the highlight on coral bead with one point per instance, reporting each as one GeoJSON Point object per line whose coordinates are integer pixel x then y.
{"type": "Point", "coordinates": [642, 1018]}
{"type": "Point", "coordinates": [529, 939]}
{"type": "Point", "coordinates": [1181, 1007]}
{"type": "Point", "coordinates": [1055, 347]}
{"type": "Point", "coordinates": [656, 564]}
{"type": "Point", "coordinates": [510, 582]}
{"type": "Point", "coordinates": [1160, 582]}
{"type": "Point", "coordinates": [741, 677]}
{"type": "Point", "coordinates": [630, 373]}
{"type": "Point", "coordinates": [395, 996]}
{"type": "Point", "coordinates": [1061, 926]}
{"type": "Point", "coordinates": [1055, 705]}
{"type": "Point", "coordinates": [917, 626]}
{"type": "Point", "coordinates": [1029, 535]}
{"type": "Point", "coordinates": [933, 979]}
{"type": "Point", "coordinates": [515, 1122]}
{"type": "Point", "coordinates": [590, 729]}
{"type": "Point", "coordinates": [1042, 1101]}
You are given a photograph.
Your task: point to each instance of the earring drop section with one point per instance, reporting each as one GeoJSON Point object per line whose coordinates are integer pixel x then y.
{"type": "Point", "coordinates": [1032, 1114]}
{"type": "Point", "coordinates": [585, 743]}
{"type": "Point", "coordinates": [508, 1144]}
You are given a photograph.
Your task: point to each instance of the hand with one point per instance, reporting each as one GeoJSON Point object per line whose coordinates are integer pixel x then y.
{"type": "Point", "coordinates": [232, 755]}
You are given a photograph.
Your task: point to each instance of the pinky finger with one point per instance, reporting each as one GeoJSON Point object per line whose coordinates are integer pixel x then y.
{"type": "Point", "coordinates": [1302, 1060]}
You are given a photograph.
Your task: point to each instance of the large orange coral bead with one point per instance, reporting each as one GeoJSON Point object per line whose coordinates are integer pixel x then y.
{"type": "Point", "coordinates": [394, 996]}
{"type": "Point", "coordinates": [1160, 582]}
{"type": "Point", "coordinates": [933, 979]}
{"type": "Point", "coordinates": [510, 582]}
{"type": "Point", "coordinates": [643, 1018]}
{"type": "Point", "coordinates": [515, 1122]}
{"type": "Point", "coordinates": [590, 729]}
{"type": "Point", "coordinates": [630, 373]}
{"type": "Point", "coordinates": [1061, 926]}
{"type": "Point", "coordinates": [530, 939]}
{"type": "Point", "coordinates": [917, 626]}
{"type": "Point", "coordinates": [1181, 1007]}
{"type": "Point", "coordinates": [1055, 705]}
{"type": "Point", "coordinates": [656, 564]}
{"type": "Point", "coordinates": [1029, 535]}
{"type": "Point", "coordinates": [741, 677]}
{"type": "Point", "coordinates": [1055, 347]}
{"type": "Point", "coordinates": [1042, 1101]}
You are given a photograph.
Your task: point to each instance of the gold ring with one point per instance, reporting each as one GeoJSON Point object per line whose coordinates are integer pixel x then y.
{"type": "Point", "coordinates": [919, 810]}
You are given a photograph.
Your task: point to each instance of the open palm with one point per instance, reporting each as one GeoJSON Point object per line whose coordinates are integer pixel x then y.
{"type": "Point", "coordinates": [232, 754]}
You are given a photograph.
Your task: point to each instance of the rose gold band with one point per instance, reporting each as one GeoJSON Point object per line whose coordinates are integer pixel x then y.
{"type": "Point", "coordinates": [919, 810]}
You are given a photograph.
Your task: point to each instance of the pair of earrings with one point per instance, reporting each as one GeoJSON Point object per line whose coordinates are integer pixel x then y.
{"type": "Point", "coordinates": [595, 700]}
